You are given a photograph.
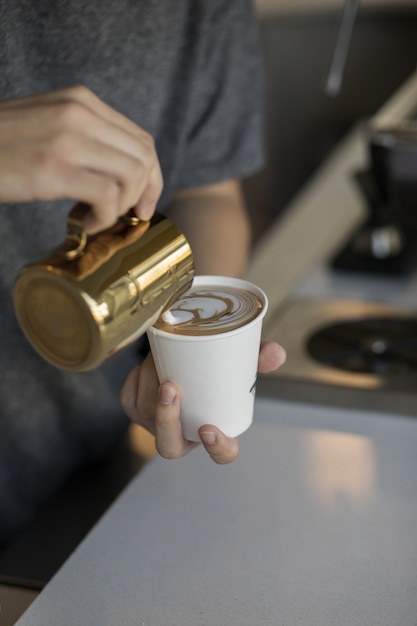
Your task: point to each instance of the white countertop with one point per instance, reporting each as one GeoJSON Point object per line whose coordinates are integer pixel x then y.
{"type": "Point", "coordinates": [314, 524]}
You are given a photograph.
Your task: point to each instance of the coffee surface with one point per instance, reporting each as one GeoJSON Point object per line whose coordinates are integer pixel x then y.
{"type": "Point", "coordinates": [210, 310]}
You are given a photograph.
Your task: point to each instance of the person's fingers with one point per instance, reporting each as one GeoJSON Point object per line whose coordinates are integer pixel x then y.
{"type": "Point", "coordinates": [169, 441]}
{"type": "Point", "coordinates": [145, 208]}
{"type": "Point", "coordinates": [139, 394]}
{"type": "Point", "coordinates": [128, 394]}
{"type": "Point", "coordinates": [128, 159]}
{"type": "Point", "coordinates": [222, 449]}
{"type": "Point", "coordinates": [127, 177]}
{"type": "Point", "coordinates": [62, 142]}
{"type": "Point", "coordinates": [156, 408]}
{"type": "Point", "coordinates": [271, 357]}
{"type": "Point", "coordinates": [134, 165]}
{"type": "Point", "coordinates": [90, 187]}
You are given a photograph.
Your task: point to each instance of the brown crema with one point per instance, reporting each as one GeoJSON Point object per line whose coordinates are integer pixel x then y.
{"type": "Point", "coordinates": [210, 310]}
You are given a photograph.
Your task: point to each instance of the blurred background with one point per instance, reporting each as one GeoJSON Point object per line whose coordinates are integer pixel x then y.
{"type": "Point", "coordinates": [302, 122]}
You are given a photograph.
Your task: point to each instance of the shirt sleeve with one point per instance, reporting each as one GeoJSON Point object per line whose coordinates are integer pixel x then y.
{"type": "Point", "coordinates": [224, 128]}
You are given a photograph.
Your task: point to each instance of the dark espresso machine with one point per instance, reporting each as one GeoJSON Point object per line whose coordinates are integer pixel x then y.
{"type": "Point", "coordinates": [387, 242]}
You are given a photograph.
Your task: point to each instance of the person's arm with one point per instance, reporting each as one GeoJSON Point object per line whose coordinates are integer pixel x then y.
{"type": "Point", "coordinates": [215, 222]}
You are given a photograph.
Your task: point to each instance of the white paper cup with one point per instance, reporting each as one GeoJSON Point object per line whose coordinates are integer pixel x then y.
{"type": "Point", "coordinates": [216, 373]}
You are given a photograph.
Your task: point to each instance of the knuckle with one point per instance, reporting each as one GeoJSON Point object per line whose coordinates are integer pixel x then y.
{"type": "Point", "coordinates": [163, 419]}
{"type": "Point", "coordinates": [164, 452]}
{"type": "Point", "coordinates": [127, 401]}
{"type": "Point", "coordinates": [147, 414]}
{"type": "Point", "coordinates": [139, 414]}
{"type": "Point", "coordinates": [159, 177]}
{"type": "Point", "coordinates": [148, 141]}
{"type": "Point", "coordinates": [134, 183]}
{"type": "Point", "coordinates": [70, 114]}
{"type": "Point", "coordinates": [148, 151]}
{"type": "Point", "coordinates": [155, 189]}
{"type": "Point", "coordinates": [225, 453]}
{"type": "Point", "coordinates": [61, 143]}
{"type": "Point", "coordinates": [80, 92]}
{"type": "Point", "coordinates": [136, 170]}
{"type": "Point", "coordinates": [144, 419]}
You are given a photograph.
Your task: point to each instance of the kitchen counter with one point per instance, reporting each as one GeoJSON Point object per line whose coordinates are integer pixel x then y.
{"type": "Point", "coordinates": [315, 523]}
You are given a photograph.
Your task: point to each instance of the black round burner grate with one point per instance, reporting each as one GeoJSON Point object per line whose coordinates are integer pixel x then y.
{"type": "Point", "coordinates": [373, 345]}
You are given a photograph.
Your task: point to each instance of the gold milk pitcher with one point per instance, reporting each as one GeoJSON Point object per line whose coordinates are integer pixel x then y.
{"type": "Point", "coordinates": [94, 295]}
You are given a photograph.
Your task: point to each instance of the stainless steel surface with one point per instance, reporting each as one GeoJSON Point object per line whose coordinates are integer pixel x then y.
{"type": "Point", "coordinates": [304, 377]}
{"type": "Point", "coordinates": [299, 320]}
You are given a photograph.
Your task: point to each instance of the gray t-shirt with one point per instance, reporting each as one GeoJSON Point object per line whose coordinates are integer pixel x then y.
{"type": "Point", "coordinates": [187, 71]}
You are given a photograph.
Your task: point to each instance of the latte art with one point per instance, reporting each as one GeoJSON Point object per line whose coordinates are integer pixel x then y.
{"type": "Point", "coordinates": [210, 310]}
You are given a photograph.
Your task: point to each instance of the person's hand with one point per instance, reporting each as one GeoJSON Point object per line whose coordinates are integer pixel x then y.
{"type": "Point", "coordinates": [157, 408]}
{"type": "Point", "coordinates": [70, 144]}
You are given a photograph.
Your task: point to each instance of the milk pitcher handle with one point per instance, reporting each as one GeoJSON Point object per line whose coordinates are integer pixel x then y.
{"type": "Point", "coordinates": [76, 237]}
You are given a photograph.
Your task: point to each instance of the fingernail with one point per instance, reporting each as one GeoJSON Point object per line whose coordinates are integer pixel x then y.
{"type": "Point", "coordinates": [167, 395]}
{"type": "Point", "coordinates": [208, 437]}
